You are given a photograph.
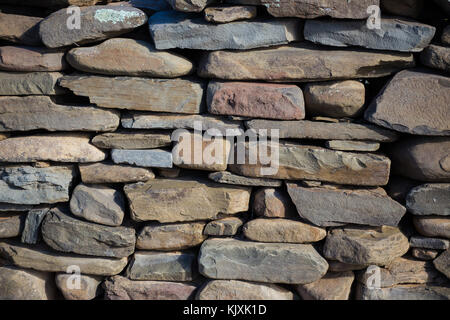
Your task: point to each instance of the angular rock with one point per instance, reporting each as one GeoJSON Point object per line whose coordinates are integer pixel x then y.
{"type": "Point", "coordinates": [229, 14]}
{"type": "Point", "coordinates": [121, 288]}
{"type": "Point", "coordinates": [97, 23]}
{"type": "Point", "coordinates": [99, 204]}
{"type": "Point", "coordinates": [64, 233]}
{"type": "Point", "coordinates": [399, 106]}
{"type": "Point", "coordinates": [256, 100]}
{"type": "Point", "coordinates": [333, 206]}
{"type": "Point", "coordinates": [40, 112]}
{"type": "Point", "coordinates": [31, 233]}
{"type": "Point", "coordinates": [165, 266]}
{"type": "Point", "coordinates": [301, 63]}
{"type": "Point", "coordinates": [335, 99]}
{"type": "Point", "coordinates": [11, 225]}
{"type": "Point", "coordinates": [229, 178]}
{"type": "Point", "coordinates": [178, 200]}
{"type": "Point", "coordinates": [429, 243]}
{"type": "Point", "coordinates": [113, 173]}
{"type": "Point", "coordinates": [348, 145]}
{"type": "Point", "coordinates": [273, 203]}
{"type": "Point", "coordinates": [364, 245]}
{"type": "Point", "coordinates": [26, 185]}
{"type": "Point", "coordinates": [224, 227]}
{"type": "Point", "coordinates": [422, 158]}
{"type": "Point", "coordinates": [33, 83]}
{"type": "Point", "coordinates": [170, 237]}
{"type": "Point", "coordinates": [171, 29]}
{"type": "Point", "coordinates": [333, 286]}
{"type": "Point", "coordinates": [408, 8]}
{"type": "Point", "coordinates": [143, 158]}
{"type": "Point", "coordinates": [189, 5]}
{"type": "Point", "coordinates": [242, 290]}
{"type": "Point", "coordinates": [282, 230]}
{"type": "Point", "coordinates": [88, 290]}
{"type": "Point", "coordinates": [132, 140]}
{"type": "Point", "coordinates": [436, 57]}
{"type": "Point", "coordinates": [395, 34]}
{"type": "Point", "coordinates": [161, 95]}
{"type": "Point", "coordinates": [300, 162]}
{"type": "Point", "coordinates": [313, 9]}
{"type": "Point", "coordinates": [42, 259]}
{"type": "Point", "coordinates": [30, 59]}
{"type": "Point", "coordinates": [424, 254]}
{"type": "Point", "coordinates": [263, 262]}
{"type": "Point", "coordinates": [20, 284]}
{"type": "Point", "coordinates": [20, 29]}
{"type": "Point", "coordinates": [433, 226]}
{"type": "Point", "coordinates": [442, 263]}
{"type": "Point", "coordinates": [305, 129]}
{"type": "Point", "coordinates": [60, 147]}
{"type": "Point", "coordinates": [112, 57]}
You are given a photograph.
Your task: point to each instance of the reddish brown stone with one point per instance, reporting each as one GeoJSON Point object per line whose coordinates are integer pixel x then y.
{"type": "Point", "coordinates": [19, 29]}
{"type": "Point", "coordinates": [28, 59]}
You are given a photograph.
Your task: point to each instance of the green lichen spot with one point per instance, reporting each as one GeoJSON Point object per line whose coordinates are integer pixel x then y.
{"type": "Point", "coordinates": [114, 16]}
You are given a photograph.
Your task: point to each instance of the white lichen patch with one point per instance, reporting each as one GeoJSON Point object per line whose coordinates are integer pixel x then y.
{"type": "Point", "coordinates": [114, 16]}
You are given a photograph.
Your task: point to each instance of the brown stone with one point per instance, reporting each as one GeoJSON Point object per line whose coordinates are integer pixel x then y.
{"type": "Point", "coordinates": [333, 286]}
{"type": "Point", "coordinates": [230, 178]}
{"type": "Point", "coordinates": [29, 59]}
{"type": "Point", "coordinates": [229, 14]}
{"type": "Point", "coordinates": [224, 227]}
{"type": "Point", "coordinates": [442, 263]}
{"type": "Point", "coordinates": [188, 5]}
{"type": "Point", "coordinates": [433, 226]}
{"type": "Point", "coordinates": [20, 29]}
{"type": "Point", "coordinates": [114, 173]}
{"type": "Point", "coordinates": [424, 254]}
{"type": "Point", "coordinates": [89, 286]}
{"type": "Point", "coordinates": [132, 140]}
{"type": "Point", "coordinates": [436, 57]}
{"type": "Point", "coordinates": [11, 225]}
{"type": "Point", "coordinates": [30, 83]}
{"type": "Point", "coordinates": [347, 145]}
{"type": "Point", "coordinates": [273, 203]}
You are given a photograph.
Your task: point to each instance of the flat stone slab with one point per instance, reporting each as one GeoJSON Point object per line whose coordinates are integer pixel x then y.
{"type": "Point", "coordinates": [40, 112]}
{"type": "Point", "coordinates": [230, 178]}
{"type": "Point", "coordinates": [436, 57]}
{"type": "Point", "coordinates": [433, 226]}
{"type": "Point", "coordinates": [98, 23]}
{"type": "Point", "coordinates": [161, 95]}
{"type": "Point", "coordinates": [404, 292]}
{"type": "Point", "coordinates": [399, 106]}
{"type": "Point", "coordinates": [263, 262]}
{"type": "Point", "coordinates": [32, 83]}
{"type": "Point", "coordinates": [172, 29]}
{"type": "Point", "coordinates": [396, 34]}
{"type": "Point", "coordinates": [143, 158]}
{"type": "Point", "coordinates": [333, 206]}
{"type": "Point", "coordinates": [333, 286]}
{"type": "Point", "coordinates": [301, 63]}
{"type": "Point", "coordinates": [347, 145]}
{"type": "Point", "coordinates": [112, 57]}
{"type": "Point", "coordinates": [114, 173]}
{"type": "Point", "coordinates": [60, 147]}
{"type": "Point", "coordinates": [27, 185]}
{"type": "Point", "coordinates": [429, 199]}
{"type": "Point", "coordinates": [227, 14]}
{"type": "Point", "coordinates": [178, 200]}
{"type": "Point", "coordinates": [20, 29]}
{"type": "Point", "coordinates": [132, 140]}
{"type": "Point", "coordinates": [429, 243]}
{"type": "Point", "coordinates": [30, 59]}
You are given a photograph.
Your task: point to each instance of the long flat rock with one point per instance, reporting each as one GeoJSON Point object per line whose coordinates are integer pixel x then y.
{"type": "Point", "coordinates": [30, 83]}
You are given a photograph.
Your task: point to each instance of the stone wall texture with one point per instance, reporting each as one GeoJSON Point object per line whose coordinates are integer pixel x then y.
{"type": "Point", "coordinates": [110, 116]}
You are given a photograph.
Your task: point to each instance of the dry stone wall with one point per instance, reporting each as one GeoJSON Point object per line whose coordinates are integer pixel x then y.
{"type": "Point", "coordinates": [236, 149]}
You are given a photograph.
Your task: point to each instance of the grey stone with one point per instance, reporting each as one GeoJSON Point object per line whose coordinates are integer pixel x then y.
{"type": "Point", "coordinates": [224, 227]}
{"type": "Point", "coordinates": [143, 158]}
{"type": "Point", "coordinates": [132, 140]}
{"type": "Point", "coordinates": [436, 57]}
{"type": "Point", "coordinates": [429, 243]}
{"type": "Point", "coordinates": [347, 145]}
{"type": "Point", "coordinates": [442, 263]}
{"type": "Point", "coordinates": [432, 226]}
{"type": "Point", "coordinates": [188, 5]}
{"type": "Point", "coordinates": [230, 178]}
{"type": "Point", "coordinates": [404, 292]}
{"type": "Point", "coordinates": [30, 83]}
{"type": "Point", "coordinates": [429, 199]}
{"type": "Point", "coordinates": [32, 230]}
{"type": "Point", "coordinates": [11, 225]}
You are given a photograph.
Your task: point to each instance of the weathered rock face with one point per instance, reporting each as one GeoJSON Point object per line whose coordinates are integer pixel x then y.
{"type": "Point", "coordinates": [112, 57]}
{"type": "Point", "coordinates": [113, 173]}
{"type": "Point", "coordinates": [64, 233]}
{"type": "Point", "coordinates": [422, 158]}
{"type": "Point", "coordinates": [400, 104]}
{"type": "Point", "coordinates": [300, 63]}
{"type": "Point", "coordinates": [98, 23]}
{"type": "Point", "coordinates": [31, 233]}
{"type": "Point", "coordinates": [32, 185]}
{"type": "Point", "coordinates": [42, 259]}
{"type": "Point", "coordinates": [171, 29]}
{"type": "Point", "coordinates": [20, 29]}
{"type": "Point", "coordinates": [29, 59]}
{"type": "Point", "coordinates": [223, 227]}
{"type": "Point", "coordinates": [333, 286]}
{"type": "Point", "coordinates": [344, 145]}
{"type": "Point", "coordinates": [169, 237]}
{"type": "Point", "coordinates": [11, 225]}
{"type": "Point", "coordinates": [282, 230]}
{"type": "Point", "coordinates": [19, 284]}
{"type": "Point", "coordinates": [424, 254]}
{"type": "Point", "coordinates": [253, 261]}
{"type": "Point", "coordinates": [364, 246]}
{"type": "Point", "coordinates": [429, 199]}
{"type": "Point", "coordinates": [98, 204]}
{"type": "Point", "coordinates": [164, 266]}
{"type": "Point", "coordinates": [259, 100]}
{"type": "Point", "coordinates": [299, 162]}
{"type": "Point", "coordinates": [40, 112]}
{"type": "Point", "coordinates": [177, 95]}
{"type": "Point", "coordinates": [242, 290]}
{"type": "Point", "coordinates": [59, 147]}
{"type": "Point", "coordinates": [395, 34]}
{"type": "Point", "coordinates": [436, 57]}
{"type": "Point", "coordinates": [310, 9]}
{"type": "Point", "coordinates": [433, 226]}
{"type": "Point", "coordinates": [273, 203]}
{"type": "Point", "coordinates": [143, 158]}
{"type": "Point", "coordinates": [132, 140]}
{"type": "Point", "coordinates": [121, 288]}
{"type": "Point", "coordinates": [229, 14]}
{"type": "Point", "coordinates": [88, 290]}
{"type": "Point", "coordinates": [333, 206]}
{"type": "Point", "coordinates": [229, 178]}
{"type": "Point", "coordinates": [178, 200]}
{"type": "Point", "coordinates": [188, 5]}
{"type": "Point", "coordinates": [33, 83]}
{"type": "Point", "coordinates": [442, 263]}
{"type": "Point", "coordinates": [404, 292]}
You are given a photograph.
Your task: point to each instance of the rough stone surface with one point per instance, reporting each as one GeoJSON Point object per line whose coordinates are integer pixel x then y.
{"type": "Point", "coordinates": [399, 106]}
{"type": "Point", "coordinates": [301, 63]}
{"type": "Point", "coordinates": [334, 206]}
{"type": "Point", "coordinates": [188, 5]}
{"type": "Point", "coordinates": [333, 286]}
{"type": "Point", "coordinates": [112, 57]}
{"type": "Point", "coordinates": [273, 203]}
{"type": "Point", "coordinates": [229, 14]}
{"type": "Point", "coordinates": [429, 199]}
{"type": "Point", "coordinates": [424, 254]}
{"type": "Point", "coordinates": [143, 158]}
{"type": "Point", "coordinates": [404, 292]}
{"type": "Point", "coordinates": [40, 112]}
{"type": "Point", "coordinates": [113, 173]}
{"type": "Point", "coordinates": [170, 237]}
{"type": "Point", "coordinates": [223, 227]}
{"type": "Point", "coordinates": [433, 226]}
{"type": "Point", "coordinates": [258, 100]}
{"type": "Point", "coordinates": [171, 29]}
{"type": "Point", "coordinates": [132, 140]}
{"type": "Point", "coordinates": [99, 23]}
{"type": "Point", "coordinates": [178, 200]}
{"type": "Point", "coordinates": [429, 243]}
{"type": "Point", "coordinates": [98, 203]}
{"type": "Point", "coordinates": [20, 29]}
{"type": "Point", "coordinates": [31, 233]}
{"type": "Point", "coordinates": [436, 57]}
{"type": "Point", "coordinates": [161, 95]}
{"type": "Point", "coordinates": [364, 245]}
{"type": "Point", "coordinates": [89, 286]}
{"type": "Point", "coordinates": [242, 290]}
{"type": "Point", "coordinates": [442, 263]}
{"type": "Point", "coordinates": [32, 83]}
{"type": "Point", "coordinates": [347, 145]}
{"type": "Point", "coordinates": [30, 59]}
{"type": "Point", "coordinates": [263, 262]}
{"type": "Point", "coordinates": [11, 225]}
{"type": "Point", "coordinates": [226, 177]}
